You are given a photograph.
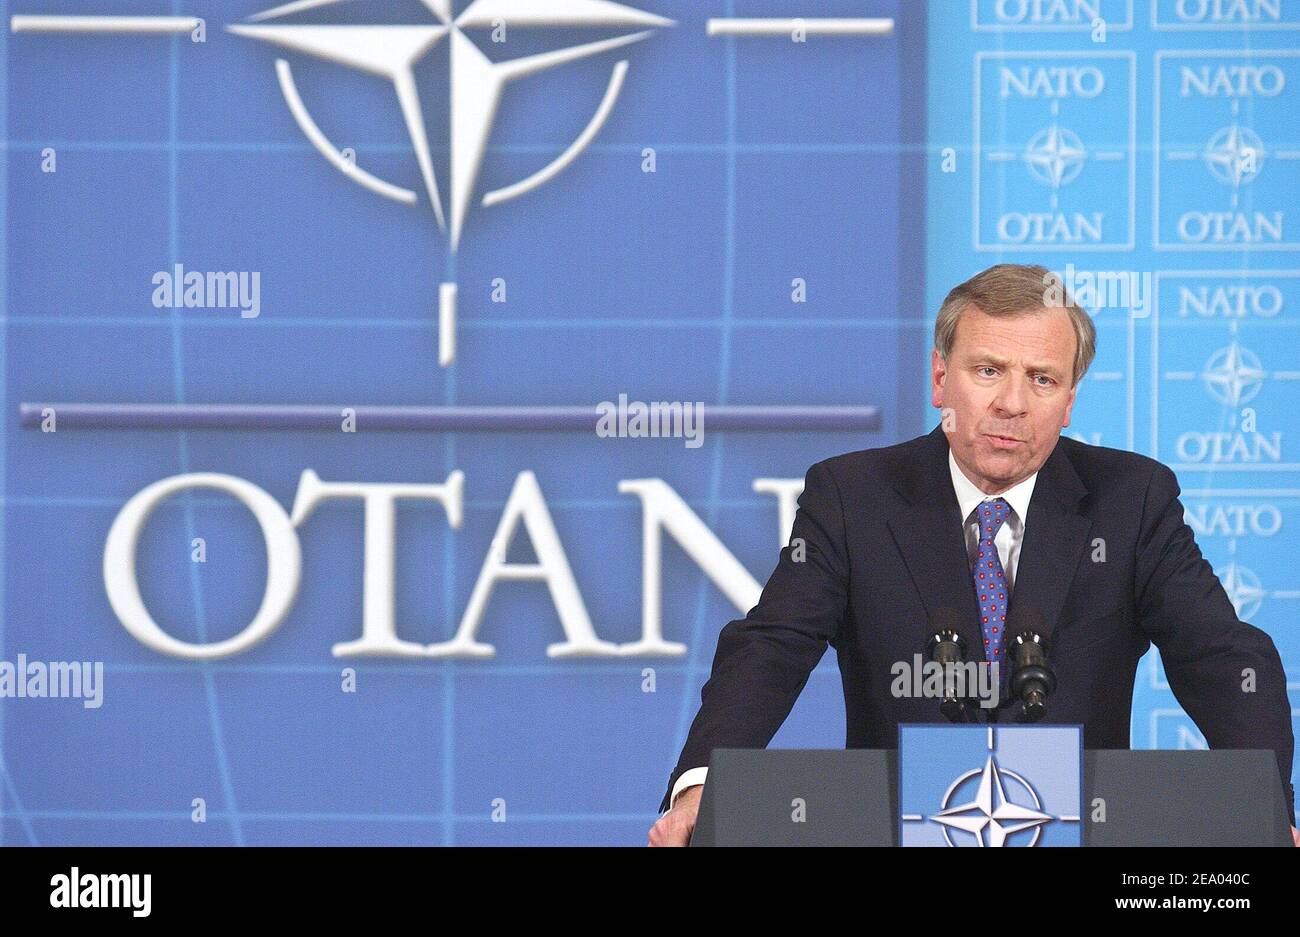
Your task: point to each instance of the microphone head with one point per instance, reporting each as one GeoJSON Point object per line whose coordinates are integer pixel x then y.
{"type": "Point", "coordinates": [1032, 678]}
{"type": "Point", "coordinates": [1028, 643]}
{"type": "Point", "coordinates": [946, 644]}
{"type": "Point", "coordinates": [947, 647]}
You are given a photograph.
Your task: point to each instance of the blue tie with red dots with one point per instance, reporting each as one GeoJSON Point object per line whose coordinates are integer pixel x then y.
{"type": "Point", "coordinates": [990, 579]}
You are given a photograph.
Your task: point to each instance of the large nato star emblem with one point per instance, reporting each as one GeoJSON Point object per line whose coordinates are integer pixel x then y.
{"type": "Point", "coordinates": [474, 83]}
{"type": "Point", "coordinates": [992, 816]}
{"type": "Point", "coordinates": [1233, 375]}
{"type": "Point", "coordinates": [1235, 155]}
{"type": "Point", "coordinates": [1055, 156]}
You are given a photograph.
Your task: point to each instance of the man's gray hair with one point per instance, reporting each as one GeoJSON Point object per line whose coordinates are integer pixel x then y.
{"type": "Point", "coordinates": [1015, 290]}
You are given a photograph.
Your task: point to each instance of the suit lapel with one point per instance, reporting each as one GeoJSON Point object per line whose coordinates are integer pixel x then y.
{"type": "Point", "coordinates": [1056, 535]}
{"type": "Point", "coordinates": [929, 537]}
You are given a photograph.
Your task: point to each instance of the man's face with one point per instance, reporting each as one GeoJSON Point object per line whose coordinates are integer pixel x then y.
{"type": "Point", "coordinates": [1007, 385]}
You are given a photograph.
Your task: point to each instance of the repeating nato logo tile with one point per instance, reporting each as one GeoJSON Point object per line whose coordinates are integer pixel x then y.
{"type": "Point", "coordinates": [990, 785]}
{"type": "Point", "coordinates": [1227, 163]}
{"type": "Point", "coordinates": [1225, 375]}
{"type": "Point", "coordinates": [1055, 164]}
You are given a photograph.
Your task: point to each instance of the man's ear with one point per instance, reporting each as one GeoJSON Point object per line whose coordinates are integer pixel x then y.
{"type": "Point", "coordinates": [938, 371]}
{"type": "Point", "coordinates": [1069, 407]}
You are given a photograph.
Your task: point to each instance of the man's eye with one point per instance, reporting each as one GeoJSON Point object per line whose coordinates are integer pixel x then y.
{"type": "Point", "coordinates": [1046, 381]}
{"type": "Point", "coordinates": [987, 370]}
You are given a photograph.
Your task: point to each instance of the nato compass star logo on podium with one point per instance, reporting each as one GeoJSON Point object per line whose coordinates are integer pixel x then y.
{"type": "Point", "coordinates": [992, 816]}
{"type": "Point", "coordinates": [990, 786]}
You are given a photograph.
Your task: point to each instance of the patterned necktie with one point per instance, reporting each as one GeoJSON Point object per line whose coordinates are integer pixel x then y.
{"type": "Point", "coordinates": [990, 580]}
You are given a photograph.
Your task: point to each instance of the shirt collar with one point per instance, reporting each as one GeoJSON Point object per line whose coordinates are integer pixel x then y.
{"type": "Point", "coordinates": [969, 496]}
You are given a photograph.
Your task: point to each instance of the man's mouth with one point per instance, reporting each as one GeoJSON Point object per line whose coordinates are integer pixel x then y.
{"type": "Point", "coordinates": [1003, 442]}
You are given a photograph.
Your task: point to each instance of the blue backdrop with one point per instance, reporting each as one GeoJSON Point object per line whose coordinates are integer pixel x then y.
{"type": "Point", "coordinates": [875, 170]}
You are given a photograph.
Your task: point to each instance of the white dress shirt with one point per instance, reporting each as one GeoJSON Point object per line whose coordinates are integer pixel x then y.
{"type": "Point", "coordinates": [1012, 532]}
{"type": "Point", "coordinates": [1008, 540]}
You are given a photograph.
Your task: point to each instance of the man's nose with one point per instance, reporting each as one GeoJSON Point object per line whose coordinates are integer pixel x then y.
{"type": "Point", "coordinates": [1012, 397]}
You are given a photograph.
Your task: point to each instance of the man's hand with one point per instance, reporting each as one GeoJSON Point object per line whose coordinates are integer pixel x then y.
{"type": "Point", "coordinates": [1295, 835]}
{"type": "Point", "coordinates": [674, 827]}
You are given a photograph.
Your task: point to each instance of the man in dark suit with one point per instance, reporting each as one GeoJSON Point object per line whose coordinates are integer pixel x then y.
{"type": "Point", "coordinates": [990, 522]}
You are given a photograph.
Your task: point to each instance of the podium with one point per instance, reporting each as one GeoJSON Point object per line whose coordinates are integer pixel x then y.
{"type": "Point", "coordinates": [850, 798]}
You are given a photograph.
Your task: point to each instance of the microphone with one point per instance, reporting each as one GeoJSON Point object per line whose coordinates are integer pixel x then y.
{"type": "Point", "coordinates": [947, 648]}
{"type": "Point", "coordinates": [1032, 678]}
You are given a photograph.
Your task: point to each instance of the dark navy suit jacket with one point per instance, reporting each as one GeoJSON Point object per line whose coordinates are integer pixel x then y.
{"type": "Point", "coordinates": [885, 563]}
